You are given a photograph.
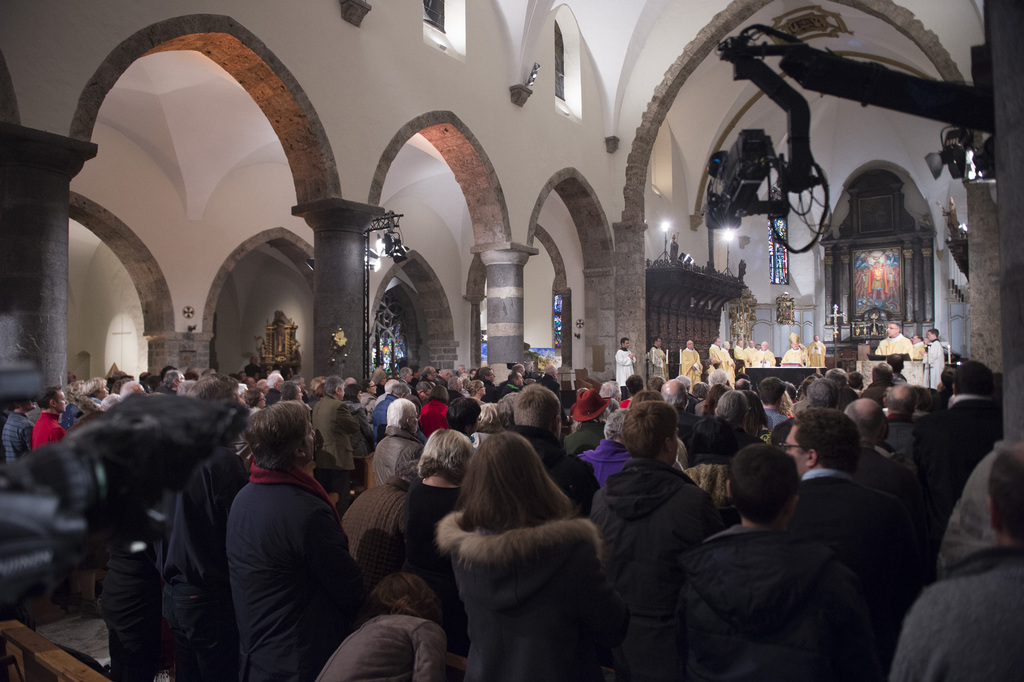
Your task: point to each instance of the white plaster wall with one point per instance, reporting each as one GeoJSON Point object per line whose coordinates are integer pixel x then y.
{"type": "Point", "coordinates": [538, 277]}
{"type": "Point", "coordinates": [99, 291]}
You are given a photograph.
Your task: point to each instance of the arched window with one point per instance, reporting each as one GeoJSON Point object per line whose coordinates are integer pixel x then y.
{"type": "Point", "coordinates": [778, 256]}
{"type": "Point", "coordinates": [557, 320]}
{"type": "Point", "coordinates": [433, 13]}
{"type": "Point", "coordinates": [389, 328]}
{"type": "Point", "coordinates": [559, 63]}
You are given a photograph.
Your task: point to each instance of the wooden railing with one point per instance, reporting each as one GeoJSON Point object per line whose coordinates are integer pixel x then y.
{"type": "Point", "coordinates": [38, 659]}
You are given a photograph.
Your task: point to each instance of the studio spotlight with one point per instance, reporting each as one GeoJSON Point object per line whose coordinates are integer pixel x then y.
{"type": "Point", "coordinates": [533, 75]}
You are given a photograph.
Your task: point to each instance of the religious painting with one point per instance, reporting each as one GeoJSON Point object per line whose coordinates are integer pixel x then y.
{"type": "Point", "coordinates": [878, 281]}
{"type": "Point", "coordinates": [543, 357]}
{"type": "Point", "coordinates": [875, 214]}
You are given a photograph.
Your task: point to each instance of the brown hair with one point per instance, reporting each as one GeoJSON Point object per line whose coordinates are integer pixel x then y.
{"type": "Point", "coordinates": [536, 406]}
{"type": "Point", "coordinates": [714, 394]}
{"type": "Point", "coordinates": [832, 434]}
{"type": "Point", "coordinates": [506, 487]}
{"type": "Point", "coordinates": [401, 594]}
{"type": "Point", "coordinates": [215, 387]}
{"type": "Point", "coordinates": [439, 392]}
{"type": "Point", "coordinates": [276, 432]}
{"type": "Point", "coordinates": [645, 396]}
{"type": "Point", "coordinates": [647, 426]}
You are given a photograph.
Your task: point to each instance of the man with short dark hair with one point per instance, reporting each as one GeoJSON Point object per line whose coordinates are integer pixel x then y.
{"type": "Point", "coordinates": [47, 428]}
{"type": "Point", "coordinates": [650, 514]}
{"type": "Point", "coordinates": [771, 390]}
{"type": "Point", "coordinates": [759, 602]}
{"type": "Point", "coordinates": [948, 444]}
{"type": "Point", "coordinates": [881, 382]}
{"type": "Point", "coordinates": [868, 530]}
{"type": "Point", "coordinates": [969, 626]}
{"type": "Point", "coordinates": [197, 593]}
{"type": "Point", "coordinates": [538, 416]}
{"type": "Point", "coordinates": [486, 375]}
{"type": "Point", "coordinates": [17, 433]}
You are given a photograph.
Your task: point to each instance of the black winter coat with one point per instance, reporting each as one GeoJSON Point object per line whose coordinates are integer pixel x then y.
{"type": "Point", "coordinates": [649, 515]}
{"type": "Point", "coordinates": [570, 473]}
{"type": "Point", "coordinates": [764, 605]}
{"type": "Point", "coordinates": [294, 586]}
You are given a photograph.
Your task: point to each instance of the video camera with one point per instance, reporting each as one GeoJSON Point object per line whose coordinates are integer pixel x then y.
{"type": "Point", "coordinates": [115, 476]}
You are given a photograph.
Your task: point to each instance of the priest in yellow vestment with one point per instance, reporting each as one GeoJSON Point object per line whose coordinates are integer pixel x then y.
{"type": "Point", "coordinates": [729, 364]}
{"type": "Point", "coordinates": [816, 353]}
{"type": "Point", "coordinates": [689, 364]}
{"type": "Point", "coordinates": [896, 343]}
{"type": "Point", "coordinates": [794, 357]}
{"type": "Point", "coordinates": [765, 358]}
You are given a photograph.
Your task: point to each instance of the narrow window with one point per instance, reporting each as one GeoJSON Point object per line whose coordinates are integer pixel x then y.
{"type": "Point", "coordinates": [433, 13]}
{"type": "Point", "coordinates": [557, 321]}
{"type": "Point", "coordinates": [778, 256]}
{"type": "Point", "coordinates": [559, 64]}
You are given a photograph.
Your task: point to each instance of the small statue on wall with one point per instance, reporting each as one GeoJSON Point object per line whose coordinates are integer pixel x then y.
{"type": "Point", "coordinates": [784, 314]}
{"type": "Point", "coordinates": [673, 248]}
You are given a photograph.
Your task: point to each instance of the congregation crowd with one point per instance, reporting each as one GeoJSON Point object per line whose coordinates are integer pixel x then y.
{"type": "Point", "coordinates": [843, 529]}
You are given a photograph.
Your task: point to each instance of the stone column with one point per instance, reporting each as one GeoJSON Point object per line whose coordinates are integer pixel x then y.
{"type": "Point", "coordinates": [339, 281]}
{"type": "Point", "coordinates": [986, 323]}
{"type": "Point", "coordinates": [929, 283]}
{"type": "Point", "coordinates": [830, 286]}
{"type": "Point", "coordinates": [910, 283]}
{"type": "Point", "coordinates": [36, 168]}
{"type": "Point", "coordinates": [474, 330]}
{"type": "Point", "coordinates": [504, 263]}
{"type": "Point", "coordinates": [630, 290]}
{"type": "Point", "coordinates": [1005, 22]}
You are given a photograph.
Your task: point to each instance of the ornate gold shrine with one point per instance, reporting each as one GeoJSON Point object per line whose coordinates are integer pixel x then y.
{"type": "Point", "coordinates": [279, 346]}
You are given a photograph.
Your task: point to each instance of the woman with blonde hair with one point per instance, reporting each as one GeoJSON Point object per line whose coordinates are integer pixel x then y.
{"type": "Point", "coordinates": [441, 468]}
{"type": "Point", "coordinates": [528, 571]}
{"type": "Point", "coordinates": [476, 390]}
{"type": "Point", "coordinates": [488, 423]}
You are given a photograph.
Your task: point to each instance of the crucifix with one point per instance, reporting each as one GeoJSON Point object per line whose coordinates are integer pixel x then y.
{"type": "Point", "coordinates": [833, 319]}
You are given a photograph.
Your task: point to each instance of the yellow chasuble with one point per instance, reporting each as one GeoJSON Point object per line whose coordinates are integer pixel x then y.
{"type": "Point", "coordinates": [690, 366]}
{"type": "Point", "coordinates": [765, 358]}
{"type": "Point", "coordinates": [918, 351]}
{"type": "Point", "coordinates": [816, 354]}
{"type": "Point", "coordinates": [794, 357]}
{"type": "Point", "coordinates": [897, 346]}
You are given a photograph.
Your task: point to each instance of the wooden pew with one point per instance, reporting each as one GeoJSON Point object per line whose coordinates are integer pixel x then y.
{"type": "Point", "coordinates": [39, 659]}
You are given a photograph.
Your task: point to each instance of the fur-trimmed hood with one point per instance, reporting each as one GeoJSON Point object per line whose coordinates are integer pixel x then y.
{"type": "Point", "coordinates": [504, 569]}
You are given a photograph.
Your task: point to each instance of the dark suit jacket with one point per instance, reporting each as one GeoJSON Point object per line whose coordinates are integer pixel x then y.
{"type": "Point", "coordinates": [687, 420]}
{"type": "Point", "coordinates": [878, 472]}
{"type": "Point", "coordinates": [870, 532]}
{"type": "Point", "coordinates": [947, 446]}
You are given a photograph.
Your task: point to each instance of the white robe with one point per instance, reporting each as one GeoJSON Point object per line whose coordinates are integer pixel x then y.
{"type": "Point", "coordinates": [623, 367]}
{"type": "Point", "coordinates": [935, 361]}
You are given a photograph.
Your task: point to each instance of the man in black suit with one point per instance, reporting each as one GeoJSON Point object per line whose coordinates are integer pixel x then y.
{"type": "Point", "coordinates": [876, 471]}
{"type": "Point", "coordinates": [870, 531]}
{"type": "Point", "coordinates": [948, 444]}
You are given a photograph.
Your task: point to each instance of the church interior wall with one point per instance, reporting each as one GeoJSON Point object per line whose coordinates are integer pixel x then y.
{"type": "Point", "coordinates": [538, 276]}
{"type": "Point", "coordinates": [558, 223]}
{"type": "Point", "coordinates": [260, 283]}
{"type": "Point", "coordinates": [101, 301]}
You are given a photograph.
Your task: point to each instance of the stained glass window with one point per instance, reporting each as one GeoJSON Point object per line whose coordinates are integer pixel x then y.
{"type": "Point", "coordinates": [778, 256]}
{"type": "Point", "coordinates": [389, 329]}
{"type": "Point", "coordinates": [557, 319]}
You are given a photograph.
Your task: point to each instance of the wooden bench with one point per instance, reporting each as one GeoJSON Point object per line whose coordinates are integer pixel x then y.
{"type": "Point", "coordinates": [39, 659]}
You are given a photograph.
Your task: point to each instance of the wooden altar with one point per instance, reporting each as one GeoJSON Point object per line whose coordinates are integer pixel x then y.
{"type": "Point", "coordinates": [279, 347]}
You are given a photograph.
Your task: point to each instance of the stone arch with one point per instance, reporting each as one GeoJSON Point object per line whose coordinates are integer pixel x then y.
{"type": "Point", "coordinates": [8, 100]}
{"type": "Point", "coordinates": [586, 212]}
{"type": "Point", "coordinates": [258, 70]}
{"type": "Point", "coordinates": [433, 302]}
{"type": "Point", "coordinates": [476, 280]}
{"type": "Point", "coordinates": [720, 26]}
{"type": "Point", "coordinates": [291, 246]}
{"type": "Point", "coordinates": [466, 158]}
{"type": "Point", "coordinates": [154, 294]}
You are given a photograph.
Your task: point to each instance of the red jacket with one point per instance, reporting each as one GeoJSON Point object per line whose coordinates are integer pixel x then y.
{"type": "Point", "coordinates": [433, 417]}
{"type": "Point", "coordinates": [46, 430]}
